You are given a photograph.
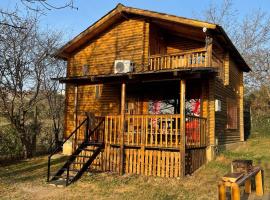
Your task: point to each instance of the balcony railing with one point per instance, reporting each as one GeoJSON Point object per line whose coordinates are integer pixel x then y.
{"type": "Point", "coordinates": [187, 59]}
{"type": "Point", "coordinates": [156, 131]}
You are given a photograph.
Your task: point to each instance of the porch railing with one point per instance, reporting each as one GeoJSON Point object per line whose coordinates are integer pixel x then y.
{"type": "Point", "coordinates": [156, 131]}
{"type": "Point", "coordinates": [194, 58]}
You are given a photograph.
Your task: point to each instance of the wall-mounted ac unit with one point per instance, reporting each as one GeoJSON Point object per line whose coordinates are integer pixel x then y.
{"type": "Point", "coordinates": [123, 66]}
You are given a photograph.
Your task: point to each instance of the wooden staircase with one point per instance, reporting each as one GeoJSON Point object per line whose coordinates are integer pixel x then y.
{"type": "Point", "coordinates": [81, 158]}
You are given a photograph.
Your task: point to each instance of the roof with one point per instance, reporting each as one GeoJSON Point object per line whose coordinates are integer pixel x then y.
{"type": "Point", "coordinates": [120, 10]}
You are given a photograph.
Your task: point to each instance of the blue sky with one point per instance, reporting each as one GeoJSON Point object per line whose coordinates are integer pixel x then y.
{"type": "Point", "coordinates": [72, 22]}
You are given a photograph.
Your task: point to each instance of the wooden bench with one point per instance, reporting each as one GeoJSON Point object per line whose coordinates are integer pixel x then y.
{"type": "Point", "coordinates": [244, 179]}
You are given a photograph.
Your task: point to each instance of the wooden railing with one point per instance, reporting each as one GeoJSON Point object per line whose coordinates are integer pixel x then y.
{"type": "Point", "coordinates": [155, 131]}
{"type": "Point", "coordinates": [187, 59]}
{"type": "Point", "coordinates": [196, 136]}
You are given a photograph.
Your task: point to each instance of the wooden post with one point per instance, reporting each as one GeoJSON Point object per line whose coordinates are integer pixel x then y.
{"type": "Point", "coordinates": [209, 49]}
{"type": "Point", "coordinates": [182, 127]}
{"type": "Point", "coordinates": [221, 191]}
{"type": "Point", "coordinates": [235, 192]}
{"type": "Point", "coordinates": [259, 183]}
{"type": "Point", "coordinates": [123, 101]}
{"type": "Point", "coordinates": [248, 186]}
{"type": "Point", "coordinates": [241, 109]}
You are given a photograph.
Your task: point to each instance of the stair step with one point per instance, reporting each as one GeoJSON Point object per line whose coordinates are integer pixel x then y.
{"type": "Point", "coordinates": [80, 163]}
{"type": "Point", "coordinates": [88, 150]}
{"type": "Point", "coordinates": [94, 143]}
{"type": "Point", "coordinates": [58, 183]}
{"type": "Point", "coordinates": [81, 156]}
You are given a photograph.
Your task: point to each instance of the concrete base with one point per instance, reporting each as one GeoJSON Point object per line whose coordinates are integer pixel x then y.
{"type": "Point", "coordinates": [67, 148]}
{"type": "Point", "coordinates": [230, 146]}
{"type": "Point", "coordinates": [210, 153]}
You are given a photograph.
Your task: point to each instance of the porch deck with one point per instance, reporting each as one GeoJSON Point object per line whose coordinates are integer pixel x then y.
{"type": "Point", "coordinates": [151, 144]}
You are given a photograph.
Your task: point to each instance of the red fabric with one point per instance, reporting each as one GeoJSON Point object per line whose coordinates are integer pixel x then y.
{"type": "Point", "coordinates": [193, 131]}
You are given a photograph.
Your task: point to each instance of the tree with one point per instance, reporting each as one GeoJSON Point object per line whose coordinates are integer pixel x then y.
{"type": "Point", "coordinates": [251, 35]}
{"type": "Point", "coordinates": [38, 6]}
{"type": "Point", "coordinates": [52, 92]}
{"type": "Point", "coordinates": [25, 55]}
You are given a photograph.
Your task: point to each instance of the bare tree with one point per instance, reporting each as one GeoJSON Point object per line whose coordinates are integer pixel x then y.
{"type": "Point", "coordinates": [54, 95]}
{"type": "Point", "coordinates": [24, 56]}
{"type": "Point", "coordinates": [38, 6]}
{"type": "Point", "coordinates": [250, 34]}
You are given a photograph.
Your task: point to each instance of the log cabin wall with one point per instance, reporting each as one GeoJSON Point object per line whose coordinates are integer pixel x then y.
{"type": "Point", "coordinates": [107, 101]}
{"type": "Point", "coordinates": [176, 44]}
{"type": "Point", "coordinates": [231, 92]}
{"type": "Point", "coordinates": [125, 40]}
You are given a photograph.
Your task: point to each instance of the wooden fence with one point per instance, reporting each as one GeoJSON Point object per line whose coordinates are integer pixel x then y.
{"type": "Point", "coordinates": [152, 144]}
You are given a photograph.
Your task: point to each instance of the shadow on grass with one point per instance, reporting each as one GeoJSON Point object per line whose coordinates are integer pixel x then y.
{"type": "Point", "coordinates": [28, 170]}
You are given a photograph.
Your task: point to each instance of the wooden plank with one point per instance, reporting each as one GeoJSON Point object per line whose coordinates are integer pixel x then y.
{"type": "Point", "coordinates": [135, 153]}
{"type": "Point", "coordinates": [146, 168]}
{"type": "Point", "coordinates": [259, 183]}
{"type": "Point", "coordinates": [163, 164]}
{"type": "Point", "coordinates": [221, 191]}
{"type": "Point", "coordinates": [167, 155]}
{"type": "Point", "coordinates": [139, 161]}
{"type": "Point", "coordinates": [248, 186]}
{"type": "Point", "coordinates": [159, 164]}
{"type": "Point", "coordinates": [235, 192]}
{"type": "Point", "coordinates": [172, 164]}
{"type": "Point", "coordinates": [123, 101]}
{"type": "Point", "coordinates": [155, 163]}
{"type": "Point", "coordinates": [150, 162]}
{"type": "Point", "coordinates": [182, 126]}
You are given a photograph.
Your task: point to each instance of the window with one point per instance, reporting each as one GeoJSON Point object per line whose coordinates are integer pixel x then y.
{"type": "Point", "coordinates": [97, 91]}
{"type": "Point", "coordinates": [232, 114]}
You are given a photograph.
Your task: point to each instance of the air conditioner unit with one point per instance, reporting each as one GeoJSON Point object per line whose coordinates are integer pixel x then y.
{"type": "Point", "coordinates": [123, 66]}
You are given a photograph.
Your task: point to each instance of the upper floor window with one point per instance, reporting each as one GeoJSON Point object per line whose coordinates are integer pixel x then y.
{"type": "Point", "coordinates": [232, 114]}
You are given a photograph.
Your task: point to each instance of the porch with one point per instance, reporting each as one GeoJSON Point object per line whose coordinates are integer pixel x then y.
{"type": "Point", "coordinates": [169, 141]}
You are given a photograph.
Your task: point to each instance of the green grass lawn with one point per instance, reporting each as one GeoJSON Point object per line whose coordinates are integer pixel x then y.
{"type": "Point", "coordinates": [26, 179]}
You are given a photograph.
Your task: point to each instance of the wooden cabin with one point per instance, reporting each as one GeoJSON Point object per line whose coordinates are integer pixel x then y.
{"type": "Point", "coordinates": [159, 92]}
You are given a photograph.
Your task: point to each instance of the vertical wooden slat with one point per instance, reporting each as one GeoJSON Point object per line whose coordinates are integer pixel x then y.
{"type": "Point", "coordinates": [159, 164]}
{"type": "Point", "coordinates": [163, 164]}
{"type": "Point", "coordinates": [155, 163]}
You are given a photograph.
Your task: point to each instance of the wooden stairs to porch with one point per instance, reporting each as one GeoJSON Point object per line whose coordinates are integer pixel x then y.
{"type": "Point", "coordinates": [80, 160]}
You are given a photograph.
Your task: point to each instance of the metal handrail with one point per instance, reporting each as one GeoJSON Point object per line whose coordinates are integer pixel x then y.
{"type": "Point", "coordinates": [57, 148]}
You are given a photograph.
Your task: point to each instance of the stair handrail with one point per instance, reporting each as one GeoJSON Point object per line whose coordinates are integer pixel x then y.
{"type": "Point", "coordinates": [58, 147]}
{"type": "Point", "coordinates": [88, 134]}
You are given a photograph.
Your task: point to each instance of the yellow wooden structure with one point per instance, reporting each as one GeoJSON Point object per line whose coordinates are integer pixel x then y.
{"type": "Point", "coordinates": [245, 180]}
{"type": "Point", "coordinates": [176, 60]}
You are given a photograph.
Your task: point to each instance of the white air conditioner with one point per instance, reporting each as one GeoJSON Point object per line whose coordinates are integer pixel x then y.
{"type": "Point", "coordinates": [123, 66]}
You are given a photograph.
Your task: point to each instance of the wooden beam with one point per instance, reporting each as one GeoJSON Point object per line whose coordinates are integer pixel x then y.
{"type": "Point", "coordinates": [241, 108]}
{"type": "Point", "coordinates": [248, 186]}
{"type": "Point", "coordinates": [221, 191]}
{"type": "Point", "coordinates": [182, 126]}
{"type": "Point", "coordinates": [235, 192]}
{"type": "Point", "coordinates": [209, 50]}
{"type": "Point", "coordinates": [259, 183]}
{"type": "Point", "coordinates": [123, 102]}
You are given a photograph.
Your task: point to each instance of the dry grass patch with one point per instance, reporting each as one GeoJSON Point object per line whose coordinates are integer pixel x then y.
{"type": "Point", "coordinates": [26, 179]}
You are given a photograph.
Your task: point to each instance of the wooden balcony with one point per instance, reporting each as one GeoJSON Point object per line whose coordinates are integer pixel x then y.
{"type": "Point", "coordinates": [189, 59]}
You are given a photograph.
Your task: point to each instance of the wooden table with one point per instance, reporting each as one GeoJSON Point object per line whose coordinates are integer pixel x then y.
{"type": "Point", "coordinates": [243, 180]}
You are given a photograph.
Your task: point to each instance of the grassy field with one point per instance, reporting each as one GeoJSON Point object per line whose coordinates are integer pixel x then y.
{"type": "Point", "coordinates": [26, 179]}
